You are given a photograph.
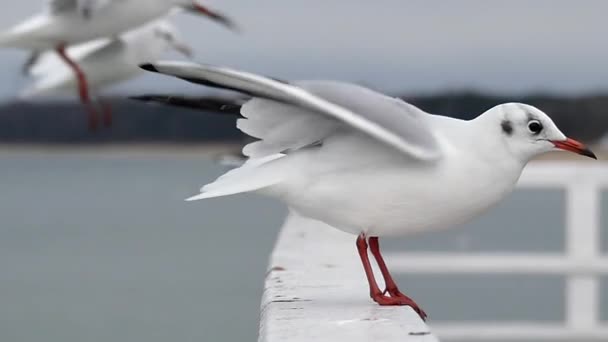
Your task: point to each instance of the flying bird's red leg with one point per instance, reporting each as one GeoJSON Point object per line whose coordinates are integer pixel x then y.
{"type": "Point", "coordinates": [83, 87]}
{"type": "Point", "coordinates": [107, 112]}
{"type": "Point", "coordinates": [391, 286]}
{"type": "Point", "coordinates": [374, 291]}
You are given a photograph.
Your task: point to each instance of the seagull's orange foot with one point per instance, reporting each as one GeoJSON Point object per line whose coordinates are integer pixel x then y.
{"type": "Point", "coordinates": [398, 298]}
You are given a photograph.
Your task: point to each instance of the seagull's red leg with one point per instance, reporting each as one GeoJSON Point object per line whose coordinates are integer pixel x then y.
{"type": "Point", "coordinates": [391, 286]}
{"type": "Point", "coordinates": [107, 112]}
{"type": "Point", "coordinates": [374, 291]}
{"type": "Point", "coordinates": [83, 87]}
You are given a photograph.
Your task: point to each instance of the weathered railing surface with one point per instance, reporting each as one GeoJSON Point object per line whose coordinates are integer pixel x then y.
{"type": "Point", "coordinates": [316, 291]}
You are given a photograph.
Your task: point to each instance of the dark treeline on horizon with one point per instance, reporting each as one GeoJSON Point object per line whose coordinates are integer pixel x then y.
{"type": "Point", "coordinates": [135, 122]}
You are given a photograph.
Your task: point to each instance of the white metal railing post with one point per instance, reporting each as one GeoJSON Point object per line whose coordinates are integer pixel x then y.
{"type": "Point", "coordinates": [582, 246]}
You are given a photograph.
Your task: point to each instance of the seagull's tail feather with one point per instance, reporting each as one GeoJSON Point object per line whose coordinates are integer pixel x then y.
{"type": "Point", "coordinates": [254, 175]}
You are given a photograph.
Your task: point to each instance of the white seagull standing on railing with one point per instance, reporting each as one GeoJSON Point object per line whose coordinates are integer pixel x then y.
{"type": "Point", "coordinates": [69, 22]}
{"type": "Point", "coordinates": [373, 165]}
{"type": "Point", "coordinates": [105, 61]}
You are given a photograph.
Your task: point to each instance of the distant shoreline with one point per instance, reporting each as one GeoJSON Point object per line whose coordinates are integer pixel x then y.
{"type": "Point", "coordinates": [123, 149]}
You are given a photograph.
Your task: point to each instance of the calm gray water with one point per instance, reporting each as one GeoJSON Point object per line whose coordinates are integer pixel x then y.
{"type": "Point", "coordinates": [103, 248]}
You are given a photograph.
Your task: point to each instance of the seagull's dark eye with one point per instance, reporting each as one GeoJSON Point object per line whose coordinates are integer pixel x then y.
{"type": "Point", "coordinates": [534, 126]}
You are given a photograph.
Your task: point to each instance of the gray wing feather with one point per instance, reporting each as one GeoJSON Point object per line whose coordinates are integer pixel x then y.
{"type": "Point", "coordinates": [281, 127]}
{"type": "Point", "coordinates": [288, 117]}
{"type": "Point", "coordinates": [394, 115]}
{"type": "Point", "coordinates": [85, 7]}
{"type": "Point", "coordinates": [61, 6]}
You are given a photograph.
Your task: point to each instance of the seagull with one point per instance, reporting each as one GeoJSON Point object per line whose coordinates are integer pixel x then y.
{"type": "Point", "coordinates": [69, 22]}
{"type": "Point", "coordinates": [106, 61]}
{"type": "Point", "coordinates": [372, 165]}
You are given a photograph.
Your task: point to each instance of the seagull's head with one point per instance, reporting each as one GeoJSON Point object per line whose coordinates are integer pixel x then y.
{"type": "Point", "coordinates": [526, 132]}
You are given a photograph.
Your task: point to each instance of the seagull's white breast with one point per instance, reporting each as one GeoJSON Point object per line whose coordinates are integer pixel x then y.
{"type": "Point", "coordinates": [397, 198]}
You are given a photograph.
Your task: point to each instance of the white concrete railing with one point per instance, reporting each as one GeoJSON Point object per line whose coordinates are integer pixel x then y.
{"type": "Point", "coordinates": [582, 263]}
{"type": "Point", "coordinates": [316, 291]}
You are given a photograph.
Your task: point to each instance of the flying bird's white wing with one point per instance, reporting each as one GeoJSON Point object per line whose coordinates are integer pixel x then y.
{"type": "Point", "coordinates": [51, 76]}
{"type": "Point", "coordinates": [49, 62]}
{"type": "Point", "coordinates": [287, 117]}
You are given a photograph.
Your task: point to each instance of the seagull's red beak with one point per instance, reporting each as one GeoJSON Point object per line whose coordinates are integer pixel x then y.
{"type": "Point", "coordinates": [574, 146]}
{"type": "Point", "coordinates": [216, 16]}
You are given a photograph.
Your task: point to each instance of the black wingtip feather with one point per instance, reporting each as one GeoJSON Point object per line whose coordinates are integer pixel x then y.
{"type": "Point", "coordinates": [216, 105]}
{"type": "Point", "coordinates": [149, 67]}
{"type": "Point", "coordinates": [144, 98]}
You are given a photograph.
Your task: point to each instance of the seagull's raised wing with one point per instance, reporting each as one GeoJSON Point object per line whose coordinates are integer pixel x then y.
{"type": "Point", "coordinates": [291, 116]}
{"type": "Point", "coordinates": [85, 7]}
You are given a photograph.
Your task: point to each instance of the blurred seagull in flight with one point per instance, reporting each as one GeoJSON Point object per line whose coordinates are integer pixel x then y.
{"type": "Point", "coordinates": [106, 61]}
{"type": "Point", "coordinates": [69, 22]}
{"type": "Point", "coordinates": [372, 165]}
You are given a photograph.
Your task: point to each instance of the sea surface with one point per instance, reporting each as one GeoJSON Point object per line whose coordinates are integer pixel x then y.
{"type": "Point", "coordinates": [100, 246]}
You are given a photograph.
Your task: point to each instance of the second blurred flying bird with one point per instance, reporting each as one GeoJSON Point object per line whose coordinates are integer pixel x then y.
{"type": "Point", "coordinates": [70, 22]}
{"type": "Point", "coordinates": [105, 61]}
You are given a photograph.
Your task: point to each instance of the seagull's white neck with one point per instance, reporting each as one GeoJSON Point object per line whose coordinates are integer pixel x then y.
{"type": "Point", "coordinates": [489, 144]}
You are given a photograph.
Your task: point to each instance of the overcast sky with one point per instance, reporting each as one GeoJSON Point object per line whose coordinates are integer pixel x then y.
{"type": "Point", "coordinates": [394, 45]}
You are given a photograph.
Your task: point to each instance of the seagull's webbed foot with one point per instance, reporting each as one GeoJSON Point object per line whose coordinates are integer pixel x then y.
{"type": "Point", "coordinates": [398, 298]}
